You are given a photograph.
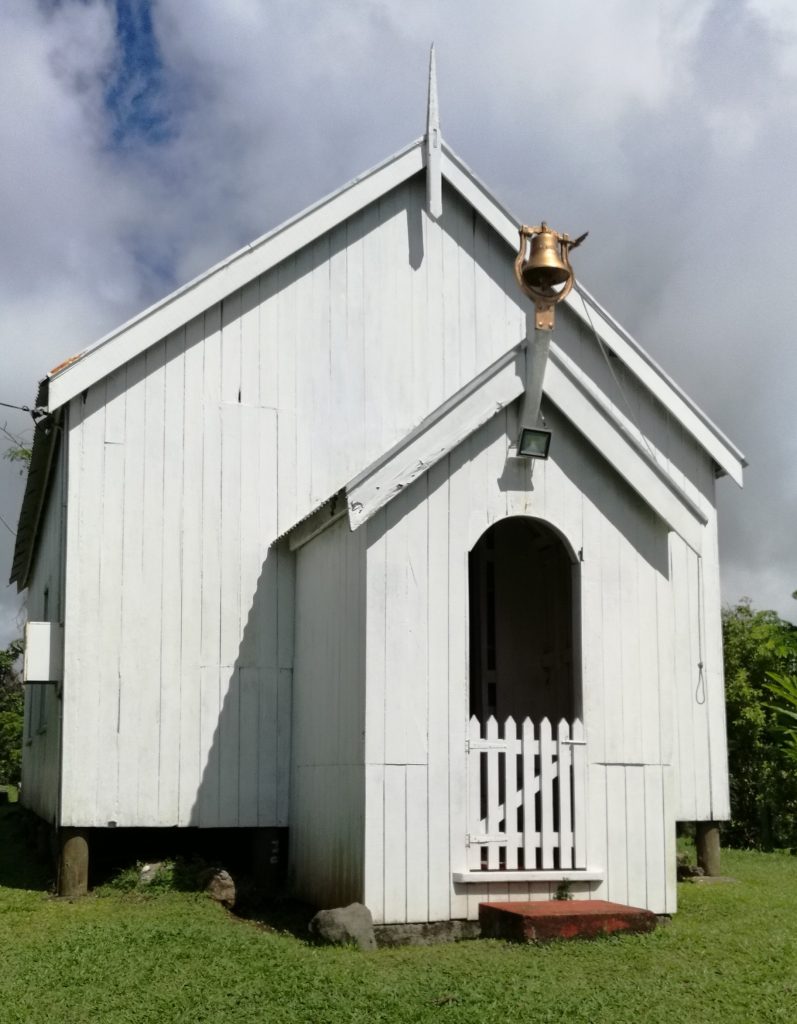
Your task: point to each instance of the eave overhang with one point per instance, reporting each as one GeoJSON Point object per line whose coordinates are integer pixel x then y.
{"type": "Point", "coordinates": [73, 376]}
{"type": "Point", "coordinates": [470, 408]}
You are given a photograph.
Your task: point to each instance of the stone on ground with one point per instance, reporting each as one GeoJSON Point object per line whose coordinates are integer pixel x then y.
{"type": "Point", "coordinates": [345, 926]}
{"type": "Point", "coordinates": [220, 886]}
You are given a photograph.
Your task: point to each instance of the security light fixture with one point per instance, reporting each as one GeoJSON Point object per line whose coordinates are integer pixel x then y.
{"type": "Point", "coordinates": [534, 443]}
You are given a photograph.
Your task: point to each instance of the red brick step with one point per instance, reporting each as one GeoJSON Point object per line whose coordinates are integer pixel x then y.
{"type": "Point", "coordinates": [561, 919]}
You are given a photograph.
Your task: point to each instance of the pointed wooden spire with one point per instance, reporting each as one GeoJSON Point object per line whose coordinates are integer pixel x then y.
{"type": "Point", "coordinates": [434, 178]}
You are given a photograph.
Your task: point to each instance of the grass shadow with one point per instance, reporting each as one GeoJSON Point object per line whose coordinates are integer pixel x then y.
{"type": "Point", "coordinates": [277, 915]}
{"type": "Point", "coordinates": [24, 861]}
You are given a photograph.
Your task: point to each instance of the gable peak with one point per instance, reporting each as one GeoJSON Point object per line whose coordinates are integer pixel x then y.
{"type": "Point", "coordinates": [432, 142]}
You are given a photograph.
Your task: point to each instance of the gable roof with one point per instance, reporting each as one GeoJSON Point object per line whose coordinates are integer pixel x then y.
{"type": "Point", "coordinates": [437, 435]}
{"type": "Point", "coordinates": [81, 371]}
{"type": "Point", "coordinates": [476, 403]}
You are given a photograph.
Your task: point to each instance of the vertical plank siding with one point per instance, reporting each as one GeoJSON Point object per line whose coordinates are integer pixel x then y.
{"type": "Point", "coordinates": [218, 439]}
{"type": "Point", "coordinates": [45, 603]}
{"type": "Point", "coordinates": [328, 778]}
{"type": "Point", "coordinates": [187, 464]}
{"type": "Point", "coordinates": [626, 670]}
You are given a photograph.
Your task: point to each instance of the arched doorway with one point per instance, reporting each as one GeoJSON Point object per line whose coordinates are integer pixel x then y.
{"type": "Point", "coordinates": [522, 624]}
{"type": "Point", "coordinates": [526, 758]}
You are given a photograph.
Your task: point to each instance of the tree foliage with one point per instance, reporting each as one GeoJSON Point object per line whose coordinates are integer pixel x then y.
{"type": "Point", "coordinates": [11, 715]}
{"type": "Point", "coordinates": [19, 453]}
{"type": "Point", "coordinates": [763, 775]}
{"type": "Point", "coordinates": [784, 690]}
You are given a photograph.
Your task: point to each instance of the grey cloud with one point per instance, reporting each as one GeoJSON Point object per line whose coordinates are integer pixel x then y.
{"type": "Point", "coordinates": [666, 129]}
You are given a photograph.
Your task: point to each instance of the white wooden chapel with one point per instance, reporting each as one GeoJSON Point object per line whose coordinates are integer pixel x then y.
{"type": "Point", "coordinates": [285, 568]}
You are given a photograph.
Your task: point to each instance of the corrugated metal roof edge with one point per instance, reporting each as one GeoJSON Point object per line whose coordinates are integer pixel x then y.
{"type": "Point", "coordinates": [45, 444]}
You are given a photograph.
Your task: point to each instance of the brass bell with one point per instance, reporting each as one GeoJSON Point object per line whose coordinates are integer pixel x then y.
{"type": "Point", "coordinates": [545, 267]}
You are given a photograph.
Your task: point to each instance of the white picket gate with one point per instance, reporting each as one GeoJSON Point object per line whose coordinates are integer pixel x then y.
{"type": "Point", "coordinates": [526, 796]}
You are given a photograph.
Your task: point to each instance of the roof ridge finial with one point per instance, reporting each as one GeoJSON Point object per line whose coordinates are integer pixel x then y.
{"type": "Point", "coordinates": [434, 179]}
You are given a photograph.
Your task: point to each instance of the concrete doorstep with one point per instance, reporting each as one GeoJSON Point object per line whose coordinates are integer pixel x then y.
{"type": "Point", "coordinates": [561, 919]}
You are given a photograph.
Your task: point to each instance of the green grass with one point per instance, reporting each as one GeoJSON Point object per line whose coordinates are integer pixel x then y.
{"type": "Point", "coordinates": [729, 955]}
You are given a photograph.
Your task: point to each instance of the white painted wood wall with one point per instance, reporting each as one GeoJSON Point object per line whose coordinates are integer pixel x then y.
{"type": "Point", "coordinates": [327, 802]}
{"type": "Point", "coordinates": [45, 603]}
{"type": "Point", "coordinates": [188, 462]}
{"type": "Point", "coordinates": [417, 674]}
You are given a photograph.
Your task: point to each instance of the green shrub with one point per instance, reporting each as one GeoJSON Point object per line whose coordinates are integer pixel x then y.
{"type": "Point", "coordinates": [179, 875]}
{"type": "Point", "coordinates": [763, 778]}
{"type": "Point", "coordinates": [12, 713]}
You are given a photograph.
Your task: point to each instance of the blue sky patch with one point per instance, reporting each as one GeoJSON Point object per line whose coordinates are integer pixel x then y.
{"type": "Point", "coordinates": [134, 94]}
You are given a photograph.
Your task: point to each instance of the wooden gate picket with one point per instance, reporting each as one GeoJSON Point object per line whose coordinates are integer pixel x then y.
{"type": "Point", "coordinates": [527, 795]}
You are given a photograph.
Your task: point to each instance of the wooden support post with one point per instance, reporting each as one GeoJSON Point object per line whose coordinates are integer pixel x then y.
{"type": "Point", "coordinates": [707, 841]}
{"type": "Point", "coordinates": [73, 862]}
{"type": "Point", "coordinates": [537, 350]}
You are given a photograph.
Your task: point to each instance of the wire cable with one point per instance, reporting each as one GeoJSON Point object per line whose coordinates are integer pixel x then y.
{"type": "Point", "coordinates": [22, 408]}
{"type": "Point", "coordinates": [700, 689]}
{"type": "Point", "coordinates": [616, 379]}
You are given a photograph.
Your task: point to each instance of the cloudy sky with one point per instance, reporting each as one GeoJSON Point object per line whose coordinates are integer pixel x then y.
{"type": "Point", "coordinates": [145, 139]}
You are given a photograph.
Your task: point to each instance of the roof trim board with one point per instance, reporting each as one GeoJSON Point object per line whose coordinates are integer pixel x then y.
{"type": "Point", "coordinates": [455, 420]}
{"type": "Point", "coordinates": [646, 369]}
{"type": "Point", "coordinates": [46, 439]}
{"type": "Point", "coordinates": [316, 522]}
{"type": "Point", "coordinates": [627, 456]}
{"type": "Point", "coordinates": [75, 375]}
{"type": "Point", "coordinates": [160, 320]}
{"type": "Point", "coordinates": [449, 425]}
{"type": "Point", "coordinates": [656, 458]}
{"type": "Point", "coordinates": [434, 437]}
{"type": "Point", "coordinates": [181, 306]}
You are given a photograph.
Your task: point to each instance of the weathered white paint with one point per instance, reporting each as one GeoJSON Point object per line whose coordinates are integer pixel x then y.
{"type": "Point", "coordinates": [191, 458]}
{"type": "Point", "coordinates": [411, 726]}
{"type": "Point", "coordinates": [432, 143]}
{"type": "Point", "coordinates": [45, 608]}
{"type": "Point", "coordinates": [329, 215]}
{"type": "Point", "coordinates": [178, 489]}
{"type": "Point", "coordinates": [632, 461]}
{"type": "Point", "coordinates": [447, 427]}
{"type": "Point", "coordinates": [509, 878]}
{"type": "Point", "coordinates": [591, 314]}
{"type": "Point", "coordinates": [328, 775]}
{"type": "Point", "coordinates": [615, 437]}
{"type": "Point", "coordinates": [236, 271]}
{"type": "Point", "coordinates": [501, 815]}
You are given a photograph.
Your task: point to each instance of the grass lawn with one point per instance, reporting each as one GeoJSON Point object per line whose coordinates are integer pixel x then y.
{"type": "Point", "coordinates": [729, 955]}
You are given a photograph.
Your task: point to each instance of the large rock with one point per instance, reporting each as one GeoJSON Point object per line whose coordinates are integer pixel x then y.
{"type": "Point", "coordinates": [220, 887]}
{"type": "Point", "coordinates": [149, 872]}
{"type": "Point", "coordinates": [345, 926]}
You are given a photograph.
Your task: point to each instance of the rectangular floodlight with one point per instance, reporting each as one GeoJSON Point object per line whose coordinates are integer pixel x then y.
{"type": "Point", "coordinates": [534, 442]}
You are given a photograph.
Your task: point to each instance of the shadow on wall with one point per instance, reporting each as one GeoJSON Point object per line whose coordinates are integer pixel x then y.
{"type": "Point", "coordinates": [245, 712]}
{"type": "Point", "coordinates": [244, 706]}
{"type": "Point", "coordinates": [608, 492]}
{"type": "Point", "coordinates": [244, 688]}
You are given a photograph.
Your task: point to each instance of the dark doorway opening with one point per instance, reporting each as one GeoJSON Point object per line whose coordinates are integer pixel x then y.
{"type": "Point", "coordinates": [522, 582]}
